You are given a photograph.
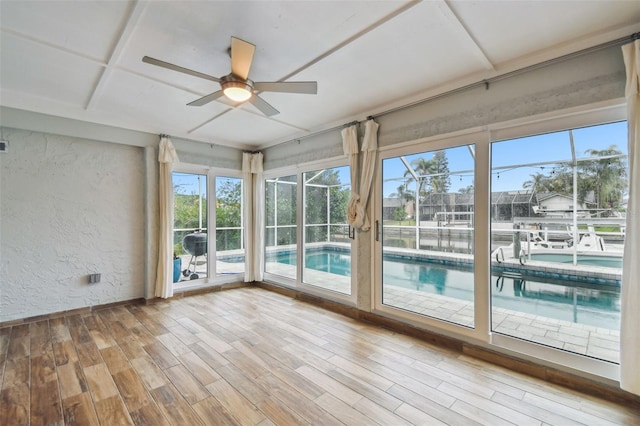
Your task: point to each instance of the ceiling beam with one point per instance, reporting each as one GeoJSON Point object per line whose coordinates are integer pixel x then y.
{"type": "Point", "coordinates": [458, 25]}
{"type": "Point", "coordinates": [331, 51]}
{"type": "Point", "coordinates": [353, 38]}
{"type": "Point", "coordinates": [136, 11]}
{"type": "Point", "coordinates": [41, 42]}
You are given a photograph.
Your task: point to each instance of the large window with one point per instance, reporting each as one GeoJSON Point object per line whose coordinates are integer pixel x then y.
{"type": "Point", "coordinates": [515, 240]}
{"type": "Point", "coordinates": [557, 234]}
{"type": "Point", "coordinates": [196, 206]}
{"type": "Point", "coordinates": [427, 234]}
{"type": "Point", "coordinates": [229, 226]}
{"type": "Point", "coordinates": [307, 237]}
{"type": "Point", "coordinates": [327, 245]}
{"type": "Point", "coordinates": [281, 226]}
{"type": "Point", "coordinates": [190, 241]}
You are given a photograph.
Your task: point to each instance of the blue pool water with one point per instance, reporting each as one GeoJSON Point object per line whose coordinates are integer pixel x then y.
{"type": "Point", "coordinates": [583, 259]}
{"type": "Point", "coordinates": [574, 301]}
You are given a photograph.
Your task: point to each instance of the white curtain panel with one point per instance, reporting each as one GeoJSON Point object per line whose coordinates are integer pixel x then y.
{"type": "Point", "coordinates": [252, 167]}
{"type": "Point", "coordinates": [369, 151]}
{"type": "Point", "coordinates": [164, 281]}
{"type": "Point", "coordinates": [247, 203]}
{"type": "Point", "coordinates": [630, 297]}
{"type": "Point", "coordinates": [350, 148]}
{"type": "Point", "coordinates": [258, 216]}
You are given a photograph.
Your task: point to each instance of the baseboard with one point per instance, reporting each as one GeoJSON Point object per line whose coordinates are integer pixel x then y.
{"type": "Point", "coordinates": [136, 301]}
{"type": "Point", "coordinates": [78, 311]}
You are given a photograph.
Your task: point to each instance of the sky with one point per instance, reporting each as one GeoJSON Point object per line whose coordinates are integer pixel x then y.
{"type": "Point", "coordinates": [512, 154]}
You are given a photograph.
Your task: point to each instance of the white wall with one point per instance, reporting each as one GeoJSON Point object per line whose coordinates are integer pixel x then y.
{"type": "Point", "coordinates": [68, 207]}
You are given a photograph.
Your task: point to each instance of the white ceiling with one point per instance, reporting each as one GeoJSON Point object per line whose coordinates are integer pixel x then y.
{"type": "Point", "coordinates": [82, 59]}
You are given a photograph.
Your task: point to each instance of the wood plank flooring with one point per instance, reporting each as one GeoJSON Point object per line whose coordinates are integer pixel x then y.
{"type": "Point", "coordinates": [249, 356]}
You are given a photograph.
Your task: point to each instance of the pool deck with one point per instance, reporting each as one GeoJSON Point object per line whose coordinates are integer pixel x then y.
{"type": "Point", "coordinates": [601, 343]}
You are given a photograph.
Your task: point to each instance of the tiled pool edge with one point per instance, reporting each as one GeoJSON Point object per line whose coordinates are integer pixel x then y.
{"type": "Point", "coordinates": [540, 269]}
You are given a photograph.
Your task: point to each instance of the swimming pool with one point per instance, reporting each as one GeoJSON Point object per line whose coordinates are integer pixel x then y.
{"type": "Point", "coordinates": [574, 301]}
{"type": "Point", "coordinates": [582, 259]}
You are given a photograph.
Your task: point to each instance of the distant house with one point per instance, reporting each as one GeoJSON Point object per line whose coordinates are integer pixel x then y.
{"type": "Point", "coordinates": [391, 205]}
{"type": "Point", "coordinates": [505, 205]}
{"type": "Point", "coordinates": [552, 204]}
{"type": "Point", "coordinates": [459, 206]}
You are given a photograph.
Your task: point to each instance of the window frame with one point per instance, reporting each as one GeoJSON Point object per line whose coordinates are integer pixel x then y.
{"type": "Point", "coordinates": [212, 278]}
{"type": "Point", "coordinates": [481, 335]}
{"type": "Point", "coordinates": [298, 284]}
{"type": "Point", "coordinates": [416, 147]}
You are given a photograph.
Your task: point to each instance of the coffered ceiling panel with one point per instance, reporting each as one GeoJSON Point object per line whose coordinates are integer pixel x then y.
{"type": "Point", "coordinates": [83, 59]}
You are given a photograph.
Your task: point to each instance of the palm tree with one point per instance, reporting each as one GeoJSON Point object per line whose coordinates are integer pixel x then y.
{"type": "Point", "coordinates": [538, 183]}
{"type": "Point", "coordinates": [422, 168]}
{"type": "Point", "coordinates": [606, 177]}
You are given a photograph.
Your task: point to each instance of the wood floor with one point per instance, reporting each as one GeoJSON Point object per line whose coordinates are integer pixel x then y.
{"type": "Point", "coordinates": [249, 356]}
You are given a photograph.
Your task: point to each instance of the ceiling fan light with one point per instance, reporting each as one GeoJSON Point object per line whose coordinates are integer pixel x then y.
{"type": "Point", "coordinates": [235, 89]}
{"type": "Point", "coordinates": [238, 94]}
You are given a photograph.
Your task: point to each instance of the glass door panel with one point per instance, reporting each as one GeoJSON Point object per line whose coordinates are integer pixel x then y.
{"type": "Point", "coordinates": [327, 246]}
{"type": "Point", "coordinates": [557, 236]}
{"type": "Point", "coordinates": [229, 226]}
{"type": "Point", "coordinates": [427, 234]}
{"type": "Point", "coordinates": [190, 239]}
{"type": "Point", "coordinates": [281, 226]}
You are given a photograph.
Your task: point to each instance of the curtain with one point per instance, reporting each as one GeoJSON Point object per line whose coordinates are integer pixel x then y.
{"type": "Point", "coordinates": [630, 297]}
{"type": "Point", "coordinates": [350, 148]}
{"type": "Point", "coordinates": [356, 208]}
{"type": "Point", "coordinates": [369, 150]}
{"type": "Point", "coordinates": [164, 280]}
{"type": "Point", "coordinates": [253, 216]}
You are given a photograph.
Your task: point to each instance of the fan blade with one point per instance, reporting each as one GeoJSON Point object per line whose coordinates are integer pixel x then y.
{"type": "Point", "coordinates": [241, 57]}
{"type": "Point", "coordinates": [206, 99]}
{"type": "Point", "coordinates": [263, 105]}
{"type": "Point", "coordinates": [308, 87]}
{"type": "Point", "coordinates": [173, 67]}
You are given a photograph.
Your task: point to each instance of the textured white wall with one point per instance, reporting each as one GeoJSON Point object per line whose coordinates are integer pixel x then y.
{"type": "Point", "coordinates": [68, 207]}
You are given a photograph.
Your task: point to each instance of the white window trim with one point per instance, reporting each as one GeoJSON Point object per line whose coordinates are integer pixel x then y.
{"type": "Point", "coordinates": [478, 139]}
{"type": "Point", "coordinates": [298, 283]}
{"type": "Point", "coordinates": [212, 278]}
{"type": "Point", "coordinates": [584, 116]}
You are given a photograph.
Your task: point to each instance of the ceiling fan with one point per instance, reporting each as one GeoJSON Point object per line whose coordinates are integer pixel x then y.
{"type": "Point", "coordinates": [236, 85]}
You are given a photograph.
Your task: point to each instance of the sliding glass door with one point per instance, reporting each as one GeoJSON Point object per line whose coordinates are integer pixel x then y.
{"type": "Point", "coordinates": [327, 243]}
{"type": "Point", "coordinates": [190, 239]}
{"type": "Point", "coordinates": [229, 226]}
{"type": "Point", "coordinates": [557, 236]}
{"type": "Point", "coordinates": [529, 261]}
{"type": "Point", "coordinates": [196, 206]}
{"type": "Point", "coordinates": [281, 233]}
{"type": "Point", "coordinates": [427, 233]}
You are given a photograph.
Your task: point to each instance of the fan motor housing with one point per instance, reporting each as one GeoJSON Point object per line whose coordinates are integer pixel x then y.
{"type": "Point", "coordinates": [231, 80]}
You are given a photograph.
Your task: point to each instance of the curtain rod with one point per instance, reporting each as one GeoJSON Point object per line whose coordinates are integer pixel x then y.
{"type": "Point", "coordinates": [486, 82]}
{"type": "Point", "coordinates": [318, 133]}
